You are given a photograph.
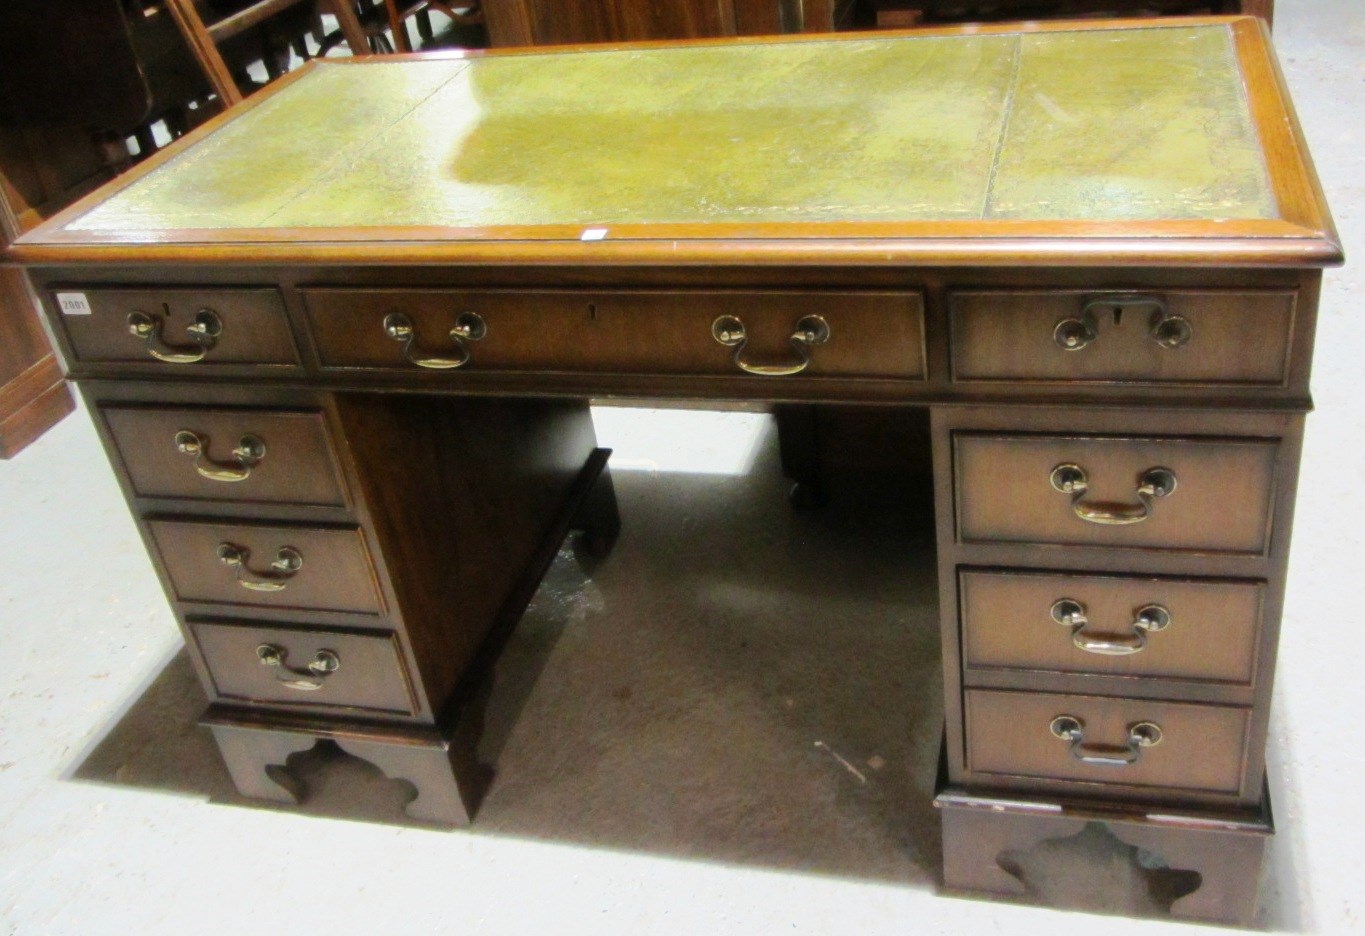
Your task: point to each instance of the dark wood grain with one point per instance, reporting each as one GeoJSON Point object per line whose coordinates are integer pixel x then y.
{"type": "Point", "coordinates": [458, 499]}
{"type": "Point", "coordinates": [33, 396]}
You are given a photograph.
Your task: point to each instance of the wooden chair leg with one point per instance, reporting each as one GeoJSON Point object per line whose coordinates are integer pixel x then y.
{"type": "Point", "coordinates": [397, 26]}
{"type": "Point", "coordinates": [146, 143]}
{"type": "Point", "coordinates": [349, 21]}
{"type": "Point", "coordinates": [205, 51]}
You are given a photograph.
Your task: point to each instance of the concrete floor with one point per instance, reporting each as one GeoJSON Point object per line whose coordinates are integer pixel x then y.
{"type": "Point", "coordinates": [683, 745]}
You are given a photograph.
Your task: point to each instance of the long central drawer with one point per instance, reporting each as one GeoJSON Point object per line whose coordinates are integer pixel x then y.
{"type": "Point", "coordinates": [766, 334]}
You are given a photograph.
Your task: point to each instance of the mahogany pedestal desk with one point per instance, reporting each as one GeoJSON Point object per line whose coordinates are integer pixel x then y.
{"type": "Point", "coordinates": [339, 345]}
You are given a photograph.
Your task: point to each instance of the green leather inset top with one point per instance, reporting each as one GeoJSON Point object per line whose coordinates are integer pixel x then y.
{"type": "Point", "coordinates": [1119, 124]}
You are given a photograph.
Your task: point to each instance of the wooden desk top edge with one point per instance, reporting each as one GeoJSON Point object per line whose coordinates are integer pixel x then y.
{"type": "Point", "coordinates": [1303, 237]}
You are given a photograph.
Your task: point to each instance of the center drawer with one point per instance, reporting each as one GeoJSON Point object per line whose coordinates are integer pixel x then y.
{"type": "Point", "coordinates": [768, 334]}
{"type": "Point", "coordinates": [303, 568]}
{"type": "Point", "coordinates": [1197, 494]}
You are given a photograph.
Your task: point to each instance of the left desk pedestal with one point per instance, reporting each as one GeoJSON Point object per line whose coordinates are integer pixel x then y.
{"type": "Point", "coordinates": [346, 567]}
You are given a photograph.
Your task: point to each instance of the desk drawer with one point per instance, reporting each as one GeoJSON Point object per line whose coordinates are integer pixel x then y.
{"type": "Point", "coordinates": [1101, 740]}
{"type": "Point", "coordinates": [177, 328]}
{"type": "Point", "coordinates": [1111, 625]}
{"type": "Point", "coordinates": [1207, 495]}
{"type": "Point", "coordinates": [246, 456]}
{"type": "Point", "coordinates": [303, 568]}
{"type": "Point", "coordinates": [1213, 337]}
{"type": "Point", "coordinates": [290, 666]}
{"type": "Point", "coordinates": [870, 334]}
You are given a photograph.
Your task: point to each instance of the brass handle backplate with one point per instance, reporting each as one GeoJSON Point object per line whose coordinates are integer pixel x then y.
{"type": "Point", "coordinates": [285, 566]}
{"type": "Point", "coordinates": [248, 453]}
{"type": "Point", "coordinates": [1141, 735]}
{"type": "Point", "coordinates": [203, 331]}
{"type": "Point", "coordinates": [1167, 330]}
{"type": "Point", "coordinates": [469, 326]}
{"type": "Point", "coordinates": [1148, 619]}
{"type": "Point", "coordinates": [1152, 484]}
{"type": "Point", "coordinates": [323, 664]}
{"type": "Point", "coordinates": [811, 330]}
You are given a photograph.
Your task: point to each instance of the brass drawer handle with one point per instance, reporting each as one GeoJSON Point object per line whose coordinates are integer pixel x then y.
{"type": "Point", "coordinates": [310, 679]}
{"type": "Point", "coordinates": [285, 566]}
{"type": "Point", "coordinates": [1167, 330]}
{"type": "Point", "coordinates": [1140, 735]}
{"type": "Point", "coordinates": [1151, 484]}
{"type": "Point", "coordinates": [811, 330]}
{"type": "Point", "coordinates": [249, 452]}
{"type": "Point", "coordinates": [469, 326]}
{"type": "Point", "coordinates": [1148, 619]}
{"type": "Point", "coordinates": [203, 331]}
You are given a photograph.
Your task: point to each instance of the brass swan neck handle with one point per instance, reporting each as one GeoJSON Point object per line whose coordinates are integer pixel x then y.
{"type": "Point", "coordinates": [1146, 620]}
{"type": "Point", "coordinates": [309, 679]}
{"type": "Point", "coordinates": [286, 564]}
{"type": "Point", "coordinates": [203, 332]}
{"type": "Point", "coordinates": [810, 330]}
{"type": "Point", "coordinates": [1152, 484]}
{"type": "Point", "coordinates": [1141, 735]}
{"type": "Point", "coordinates": [469, 326]}
{"type": "Point", "coordinates": [248, 454]}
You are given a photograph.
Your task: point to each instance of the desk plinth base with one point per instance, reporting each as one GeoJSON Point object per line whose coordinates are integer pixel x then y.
{"type": "Point", "coordinates": [444, 772]}
{"type": "Point", "coordinates": [1219, 855]}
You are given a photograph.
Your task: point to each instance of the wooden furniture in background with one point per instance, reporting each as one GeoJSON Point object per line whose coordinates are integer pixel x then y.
{"type": "Point", "coordinates": [33, 395]}
{"type": "Point", "coordinates": [204, 38]}
{"type": "Point", "coordinates": [349, 412]}
{"type": "Point", "coordinates": [463, 16]}
{"type": "Point", "coordinates": [551, 22]}
{"type": "Point", "coordinates": [71, 87]}
{"type": "Point", "coordinates": [903, 14]}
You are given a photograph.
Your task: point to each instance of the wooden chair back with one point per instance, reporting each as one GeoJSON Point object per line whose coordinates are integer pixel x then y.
{"type": "Point", "coordinates": [205, 38]}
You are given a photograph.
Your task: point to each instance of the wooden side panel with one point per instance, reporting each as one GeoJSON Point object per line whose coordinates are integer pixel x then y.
{"type": "Point", "coordinates": [32, 394]}
{"type": "Point", "coordinates": [459, 494]}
